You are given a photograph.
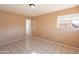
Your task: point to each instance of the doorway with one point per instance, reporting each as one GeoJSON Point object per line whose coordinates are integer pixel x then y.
{"type": "Point", "coordinates": [28, 27]}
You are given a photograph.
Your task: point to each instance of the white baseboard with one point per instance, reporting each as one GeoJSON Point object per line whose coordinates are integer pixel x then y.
{"type": "Point", "coordinates": [20, 38]}
{"type": "Point", "coordinates": [56, 42]}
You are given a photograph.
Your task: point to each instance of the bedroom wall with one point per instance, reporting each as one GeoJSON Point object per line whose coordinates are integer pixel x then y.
{"type": "Point", "coordinates": [12, 27]}
{"type": "Point", "coordinates": [45, 26]}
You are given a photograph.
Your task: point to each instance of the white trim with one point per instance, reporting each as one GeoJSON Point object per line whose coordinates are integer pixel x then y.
{"type": "Point", "coordinates": [56, 42]}
{"type": "Point", "coordinates": [12, 41]}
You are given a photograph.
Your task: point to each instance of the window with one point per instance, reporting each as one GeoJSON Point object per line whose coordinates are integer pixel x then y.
{"type": "Point", "coordinates": [68, 22]}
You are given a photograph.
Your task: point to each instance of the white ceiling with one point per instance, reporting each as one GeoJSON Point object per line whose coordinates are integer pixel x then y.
{"type": "Point", "coordinates": [24, 9]}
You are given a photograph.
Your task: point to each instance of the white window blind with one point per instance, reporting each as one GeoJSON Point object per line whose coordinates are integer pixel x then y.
{"type": "Point", "coordinates": [68, 22]}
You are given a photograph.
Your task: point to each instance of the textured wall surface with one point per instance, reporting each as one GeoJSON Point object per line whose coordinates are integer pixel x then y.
{"type": "Point", "coordinates": [45, 26]}
{"type": "Point", "coordinates": [12, 26]}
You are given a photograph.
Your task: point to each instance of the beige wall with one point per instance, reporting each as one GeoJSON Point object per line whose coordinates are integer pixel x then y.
{"type": "Point", "coordinates": [45, 26]}
{"type": "Point", "coordinates": [12, 27]}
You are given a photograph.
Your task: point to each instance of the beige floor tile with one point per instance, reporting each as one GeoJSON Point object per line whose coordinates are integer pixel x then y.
{"type": "Point", "coordinates": [36, 45]}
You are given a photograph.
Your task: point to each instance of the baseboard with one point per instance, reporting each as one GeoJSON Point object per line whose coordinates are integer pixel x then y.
{"type": "Point", "coordinates": [56, 42]}
{"type": "Point", "coordinates": [20, 38]}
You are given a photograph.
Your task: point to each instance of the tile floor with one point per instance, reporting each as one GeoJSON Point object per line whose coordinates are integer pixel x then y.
{"type": "Point", "coordinates": [36, 45]}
